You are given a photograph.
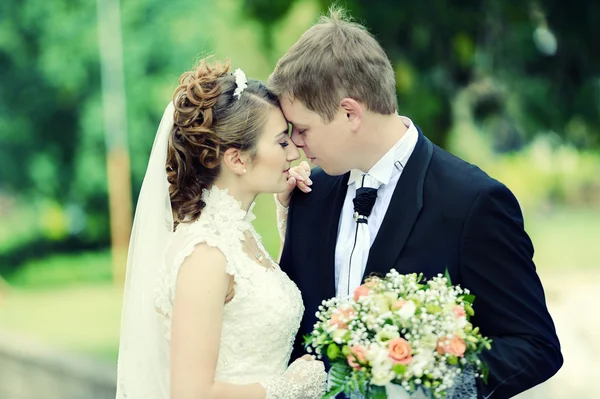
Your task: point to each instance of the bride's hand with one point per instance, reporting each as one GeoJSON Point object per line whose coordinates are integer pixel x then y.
{"type": "Point", "coordinates": [309, 375]}
{"type": "Point", "coordinates": [305, 378]}
{"type": "Point", "coordinates": [299, 177]}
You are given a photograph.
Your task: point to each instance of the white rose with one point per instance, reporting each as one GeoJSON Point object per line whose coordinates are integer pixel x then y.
{"type": "Point", "coordinates": [408, 310]}
{"type": "Point", "coordinates": [338, 335]}
{"type": "Point", "coordinates": [420, 362]}
{"type": "Point", "coordinates": [381, 379]}
{"type": "Point", "coordinates": [386, 334]}
{"type": "Point", "coordinates": [381, 365]}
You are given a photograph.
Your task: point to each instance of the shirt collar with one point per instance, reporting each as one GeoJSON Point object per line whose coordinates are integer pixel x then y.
{"type": "Point", "coordinates": [393, 160]}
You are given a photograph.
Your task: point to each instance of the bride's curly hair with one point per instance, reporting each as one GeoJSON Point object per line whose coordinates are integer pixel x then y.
{"type": "Point", "coordinates": [208, 120]}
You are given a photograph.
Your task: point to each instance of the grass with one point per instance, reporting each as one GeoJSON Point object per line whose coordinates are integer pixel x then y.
{"type": "Point", "coordinates": [65, 270]}
{"type": "Point", "coordinates": [83, 319]}
{"type": "Point", "coordinates": [83, 313]}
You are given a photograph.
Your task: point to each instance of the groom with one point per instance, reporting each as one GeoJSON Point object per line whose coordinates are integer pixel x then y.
{"type": "Point", "coordinates": [383, 196]}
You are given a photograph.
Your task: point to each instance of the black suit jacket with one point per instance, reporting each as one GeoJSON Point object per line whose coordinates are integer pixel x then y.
{"type": "Point", "coordinates": [444, 214]}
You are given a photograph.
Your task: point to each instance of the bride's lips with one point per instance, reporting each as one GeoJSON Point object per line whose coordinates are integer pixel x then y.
{"type": "Point", "coordinates": [286, 172]}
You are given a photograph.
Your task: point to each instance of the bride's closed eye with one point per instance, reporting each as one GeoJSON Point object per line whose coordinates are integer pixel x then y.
{"type": "Point", "coordinates": [284, 143]}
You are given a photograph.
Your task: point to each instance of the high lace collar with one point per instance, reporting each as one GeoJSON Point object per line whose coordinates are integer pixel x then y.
{"type": "Point", "coordinates": [222, 204]}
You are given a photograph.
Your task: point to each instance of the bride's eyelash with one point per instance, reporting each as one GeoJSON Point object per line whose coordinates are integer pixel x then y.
{"type": "Point", "coordinates": [284, 144]}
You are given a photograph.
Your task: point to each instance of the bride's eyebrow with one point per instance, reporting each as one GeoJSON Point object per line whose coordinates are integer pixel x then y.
{"type": "Point", "coordinates": [283, 133]}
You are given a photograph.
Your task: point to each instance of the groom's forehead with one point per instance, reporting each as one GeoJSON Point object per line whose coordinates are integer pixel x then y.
{"type": "Point", "coordinates": [296, 112]}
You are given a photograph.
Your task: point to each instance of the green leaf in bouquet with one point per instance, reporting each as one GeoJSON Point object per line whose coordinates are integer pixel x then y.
{"type": "Point", "coordinates": [307, 340]}
{"type": "Point", "coordinates": [453, 360]}
{"type": "Point", "coordinates": [412, 385]}
{"type": "Point", "coordinates": [333, 391]}
{"type": "Point", "coordinates": [447, 275]}
{"type": "Point", "coordinates": [433, 309]}
{"type": "Point", "coordinates": [399, 368]}
{"type": "Point", "coordinates": [346, 350]}
{"type": "Point", "coordinates": [469, 309]}
{"type": "Point", "coordinates": [338, 372]}
{"type": "Point", "coordinates": [485, 371]}
{"type": "Point", "coordinates": [376, 392]}
{"type": "Point", "coordinates": [468, 298]}
{"type": "Point", "coordinates": [333, 351]}
{"type": "Point", "coordinates": [359, 383]}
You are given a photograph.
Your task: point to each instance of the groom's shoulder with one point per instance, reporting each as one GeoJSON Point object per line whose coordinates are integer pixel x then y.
{"type": "Point", "coordinates": [458, 176]}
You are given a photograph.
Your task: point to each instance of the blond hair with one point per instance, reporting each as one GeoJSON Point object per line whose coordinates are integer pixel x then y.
{"type": "Point", "coordinates": [334, 59]}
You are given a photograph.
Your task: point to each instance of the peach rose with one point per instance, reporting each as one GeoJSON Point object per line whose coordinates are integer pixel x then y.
{"type": "Point", "coordinates": [361, 290]}
{"type": "Point", "coordinates": [398, 304]}
{"type": "Point", "coordinates": [453, 346]}
{"type": "Point", "coordinates": [340, 317]}
{"type": "Point", "coordinates": [399, 351]}
{"type": "Point", "coordinates": [356, 356]}
{"type": "Point", "coordinates": [459, 311]}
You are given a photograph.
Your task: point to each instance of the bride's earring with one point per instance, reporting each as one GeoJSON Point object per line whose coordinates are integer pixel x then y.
{"type": "Point", "coordinates": [244, 171]}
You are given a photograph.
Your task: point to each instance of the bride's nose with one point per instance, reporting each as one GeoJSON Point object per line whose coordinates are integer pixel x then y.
{"type": "Point", "coordinates": [292, 153]}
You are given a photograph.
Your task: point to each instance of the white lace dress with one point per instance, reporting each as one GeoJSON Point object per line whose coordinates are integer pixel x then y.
{"type": "Point", "coordinates": [261, 321]}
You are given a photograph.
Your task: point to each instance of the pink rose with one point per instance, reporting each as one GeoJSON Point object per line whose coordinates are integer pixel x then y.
{"type": "Point", "coordinates": [398, 304]}
{"type": "Point", "coordinates": [356, 356]}
{"type": "Point", "coordinates": [459, 311]}
{"type": "Point", "coordinates": [362, 290]}
{"type": "Point", "coordinates": [400, 351]}
{"type": "Point", "coordinates": [453, 346]}
{"type": "Point", "coordinates": [340, 317]}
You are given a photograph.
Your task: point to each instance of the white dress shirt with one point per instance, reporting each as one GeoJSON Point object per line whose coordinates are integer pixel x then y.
{"type": "Point", "coordinates": [387, 171]}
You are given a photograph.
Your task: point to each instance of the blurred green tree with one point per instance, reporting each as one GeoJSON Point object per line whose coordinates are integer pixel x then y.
{"type": "Point", "coordinates": [52, 139]}
{"type": "Point", "coordinates": [537, 57]}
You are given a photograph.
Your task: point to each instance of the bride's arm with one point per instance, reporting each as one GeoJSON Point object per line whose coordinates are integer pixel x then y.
{"type": "Point", "coordinates": [200, 294]}
{"type": "Point", "coordinates": [282, 215]}
{"type": "Point", "coordinates": [299, 177]}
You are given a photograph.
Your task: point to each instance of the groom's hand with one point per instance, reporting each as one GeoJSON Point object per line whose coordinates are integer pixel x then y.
{"type": "Point", "coordinates": [299, 177]}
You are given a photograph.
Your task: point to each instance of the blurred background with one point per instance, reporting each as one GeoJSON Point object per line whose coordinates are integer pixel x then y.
{"type": "Point", "coordinates": [513, 87]}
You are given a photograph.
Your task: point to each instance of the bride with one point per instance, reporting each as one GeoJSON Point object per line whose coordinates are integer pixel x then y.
{"type": "Point", "coordinates": [207, 313]}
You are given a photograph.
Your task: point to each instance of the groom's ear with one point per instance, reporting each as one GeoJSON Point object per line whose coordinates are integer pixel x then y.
{"type": "Point", "coordinates": [354, 112]}
{"type": "Point", "coordinates": [235, 161]}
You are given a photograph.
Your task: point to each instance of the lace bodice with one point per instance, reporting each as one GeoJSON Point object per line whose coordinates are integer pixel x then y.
{"type": "Point", "coordinates": [261, 321]}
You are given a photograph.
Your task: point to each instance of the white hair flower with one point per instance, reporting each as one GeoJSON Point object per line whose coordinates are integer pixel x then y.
{"type": "Point", "coordinates": [240, 82]}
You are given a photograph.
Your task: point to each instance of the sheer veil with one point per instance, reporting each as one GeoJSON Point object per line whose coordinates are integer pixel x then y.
{"type": "Point", "coordinates": [143, 352]}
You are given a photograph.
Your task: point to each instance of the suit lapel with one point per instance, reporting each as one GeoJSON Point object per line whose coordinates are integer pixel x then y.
{"type": "Point", "coordinates": [404, 208]}
{"type": "Point", "coordinates": [331, 218]}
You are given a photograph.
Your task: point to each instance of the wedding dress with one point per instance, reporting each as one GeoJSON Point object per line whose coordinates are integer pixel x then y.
{"type": "Point", "coordinates": [261, 321]}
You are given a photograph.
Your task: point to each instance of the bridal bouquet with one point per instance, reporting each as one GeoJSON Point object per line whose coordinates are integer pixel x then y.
{"type": "Point", "coordinates": [399, 332]}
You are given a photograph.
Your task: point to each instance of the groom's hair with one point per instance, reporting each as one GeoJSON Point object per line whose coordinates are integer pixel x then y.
{"type": "Point", "coordinates": [334, 59]}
